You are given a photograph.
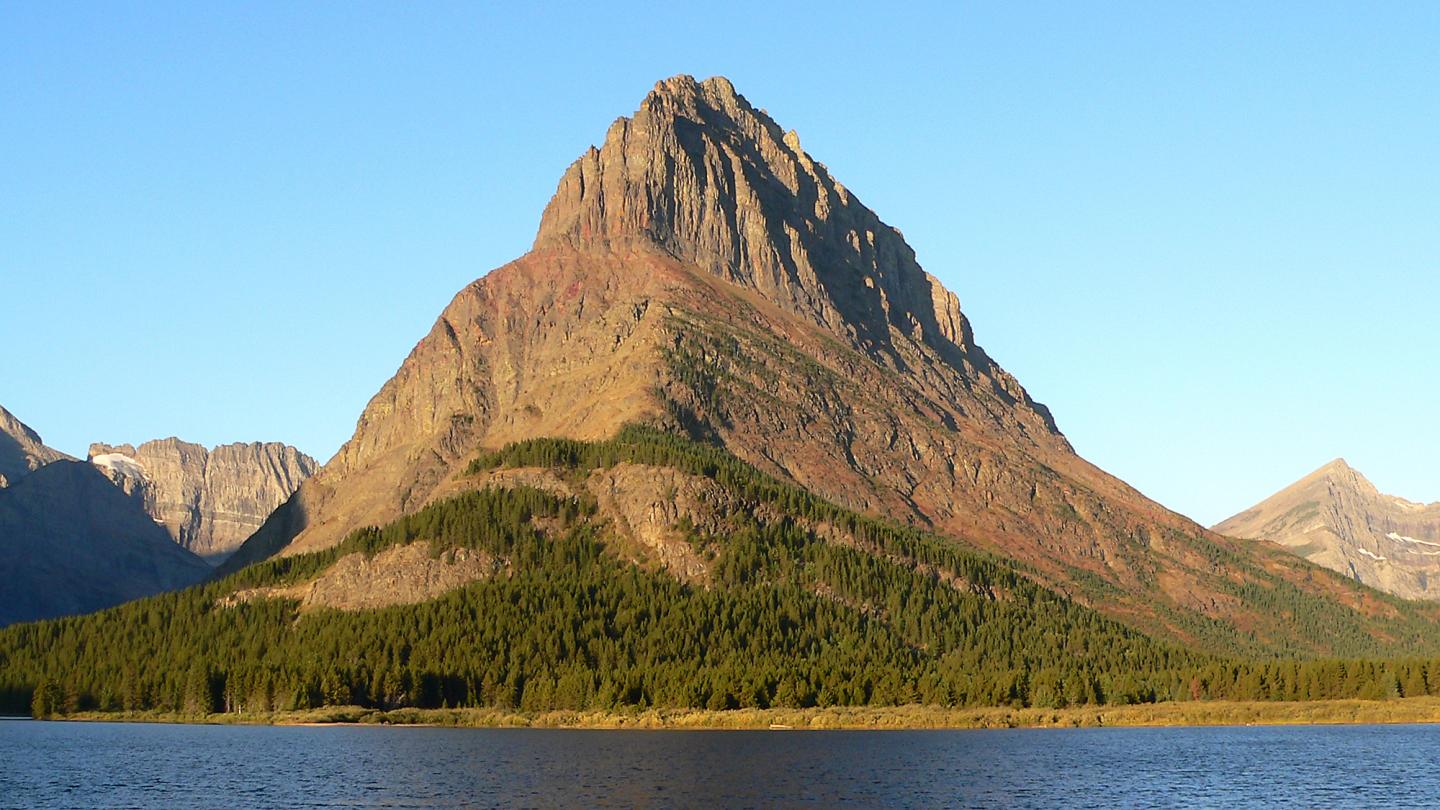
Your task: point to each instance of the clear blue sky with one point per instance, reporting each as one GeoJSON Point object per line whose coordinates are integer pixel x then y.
{"type": "Point", "coordinates": [1206, 234]}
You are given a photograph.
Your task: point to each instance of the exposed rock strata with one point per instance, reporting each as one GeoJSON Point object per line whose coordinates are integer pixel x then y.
{"type": "Point", "coordinates": [649, 505]}
{"type": "Point", "coordinates": [209, 501]}
{"type": "Point", "coordinates": [400, 575]}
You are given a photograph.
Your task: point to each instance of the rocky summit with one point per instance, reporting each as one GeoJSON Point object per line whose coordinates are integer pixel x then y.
{"type": "Point", "coordinates": [701, 274]}
{"type": "Point", "coordinates": [1336, 518]}
{"type": "Point", "coordinates": [208, 500]}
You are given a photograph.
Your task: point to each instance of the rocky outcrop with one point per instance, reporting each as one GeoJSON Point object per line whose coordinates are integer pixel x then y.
{"type": "Point", "coordinates": [648, 506]}
{"type": "Point", "coordinates": [208, 500]}
{"type": "Point", "coordinates": [71, 543]}
{"type": "Point", "coordinates": [21, 450]}
{"type": "Point", "coordinates": [1336, 518]}
{"type": "Point", "coordinates": [399, 575]}
{"type": "Point", "coordinates": [700, 272]}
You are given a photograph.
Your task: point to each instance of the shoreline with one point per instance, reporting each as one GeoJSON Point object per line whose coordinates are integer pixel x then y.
{"type": "Point", "coordinates": [913, 717]}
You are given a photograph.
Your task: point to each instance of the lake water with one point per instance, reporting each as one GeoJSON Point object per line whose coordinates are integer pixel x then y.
{"type": "Point", "coordinates": [136, 765]}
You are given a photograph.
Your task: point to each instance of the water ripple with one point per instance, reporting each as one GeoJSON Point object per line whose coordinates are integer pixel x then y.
{"type": "Point", "coordinates": [136, 765]}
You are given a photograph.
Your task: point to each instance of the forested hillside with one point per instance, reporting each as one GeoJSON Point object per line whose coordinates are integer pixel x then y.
{"type": "Point", "coordinates": [801, 604]}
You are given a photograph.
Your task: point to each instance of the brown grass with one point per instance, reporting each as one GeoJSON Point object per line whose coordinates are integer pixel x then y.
{"type": "Point", "coordinates": [1195, 713]}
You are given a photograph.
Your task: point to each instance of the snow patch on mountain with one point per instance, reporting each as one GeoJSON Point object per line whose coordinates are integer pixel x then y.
{"type": "Point", "coordinates": [119, 464]}
{"type": "Point", "coordinates": [1400, 538]}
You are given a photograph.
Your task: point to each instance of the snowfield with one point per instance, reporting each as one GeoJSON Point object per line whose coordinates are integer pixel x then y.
{"type": "Point", "coordinates": [120, 464]}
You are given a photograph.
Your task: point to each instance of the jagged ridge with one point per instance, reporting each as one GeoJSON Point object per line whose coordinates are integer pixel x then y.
{"type": "Point", "coordinates": [209, 500]}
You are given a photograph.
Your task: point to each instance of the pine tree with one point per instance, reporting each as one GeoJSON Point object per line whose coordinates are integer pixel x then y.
{"type": "Point", "coordinates": [48, 700]}
{"type": "Point", "coordinates": [199, 695]}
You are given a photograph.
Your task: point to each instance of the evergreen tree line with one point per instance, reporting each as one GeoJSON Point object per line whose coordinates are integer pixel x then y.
{"type": "Point", "coordinates": [1406, 628]}
{"type": "Point", "coordinates": [786, 619]}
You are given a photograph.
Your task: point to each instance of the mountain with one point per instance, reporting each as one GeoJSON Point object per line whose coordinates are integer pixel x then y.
{"type": "Point", "coordinates": [79, 537]}
{"type": "Point", "coordinates": [1336, 518]}
{"type": "Point", "coordinates": [21, 450]}
{"type": "Point", "coordinates": [650, 570]}
{"type": "Point", "coordinates": [209, 501]}
{"type": "Point", "coordinates": [71, 542]}
{"type": "Point", "coordinates": [700, 271]}
{"type": "Point", "coordinates": [717, 440]}
{"type": "Point", "coordinates": [701, 274]}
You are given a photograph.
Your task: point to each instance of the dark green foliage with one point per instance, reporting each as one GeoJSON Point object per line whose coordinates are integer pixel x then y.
{"type": "Point", "coordinates": [786, 619]}
{"type": "Point", "coordinates": [48, 700]}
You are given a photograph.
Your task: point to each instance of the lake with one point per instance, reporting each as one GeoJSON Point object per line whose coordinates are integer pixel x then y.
{"type": "Point", "coordinates": [117, 765]}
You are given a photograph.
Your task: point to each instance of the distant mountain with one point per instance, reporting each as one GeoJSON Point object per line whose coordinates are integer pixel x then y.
{"type": "Point", "coordinates": [208, 500]}
{"type": "Point", "coordinates": [71, 542]}
{"type": "Point", "coordinates": [78, 537]}
{"type": "Point", "coordinates": [21, 450]}
{"type": "Point", "coordinates": [1336, 518]}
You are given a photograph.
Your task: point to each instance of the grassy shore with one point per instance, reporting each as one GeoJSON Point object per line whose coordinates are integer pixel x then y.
{"type": "Point", "coordinates": [1198, 713]}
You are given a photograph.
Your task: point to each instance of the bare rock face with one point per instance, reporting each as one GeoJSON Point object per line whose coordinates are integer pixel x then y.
{"type": "Point", "coordinates": [21, 450]}
{"type": "Point", "coordinates": [1336, 518]}
{"type": "Point", "coordinates": [72, 543]}
{"type": "Point", "coordinates": [209, 501]}
{"type": "Point", "coordinates": [400, 575]}
{"type": "Point", "coordinates": [700, 272]}
{"type": "Point", "coordinates": [646, 504]}
{"type": "Point", "coordinates": [707, 179]}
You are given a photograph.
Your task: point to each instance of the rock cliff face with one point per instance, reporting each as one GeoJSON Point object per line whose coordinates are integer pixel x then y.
{"type": "Point", "coordinates": [71, 543]}
{"type": "Point", "coordinates": [21, 450]}
{"type": "Point", "coordinates": [208, 500]}
{"type": "Point", "coordinates": [1336, 518]}
{"type": "Point", "coordinates": [701, 273]}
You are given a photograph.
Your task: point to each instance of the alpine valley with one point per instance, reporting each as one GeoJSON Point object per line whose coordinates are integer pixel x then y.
{"type": "Point", "coordinates": [717, 441]}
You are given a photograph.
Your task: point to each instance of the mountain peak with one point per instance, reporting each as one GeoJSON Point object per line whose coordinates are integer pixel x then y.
{"type": "Point", "coordinates": [716, 92]}
{"type": "Point", "coordinates": [12, 425]}
{"type": "Point", "coordinates": [701, 275]}
{"type": "Point", "coordinates": [1337, 518]}
{"type": "Point", "coordinates": [208, 499]}
{"type": "Point", "coordinates": [690, 152]}
{"type": "Point", "coordinates": [700, 175]}
{"type": "Point", "coordinates": [1340, 470]}
{"type": "Point", "coordinates": [21, 449]}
